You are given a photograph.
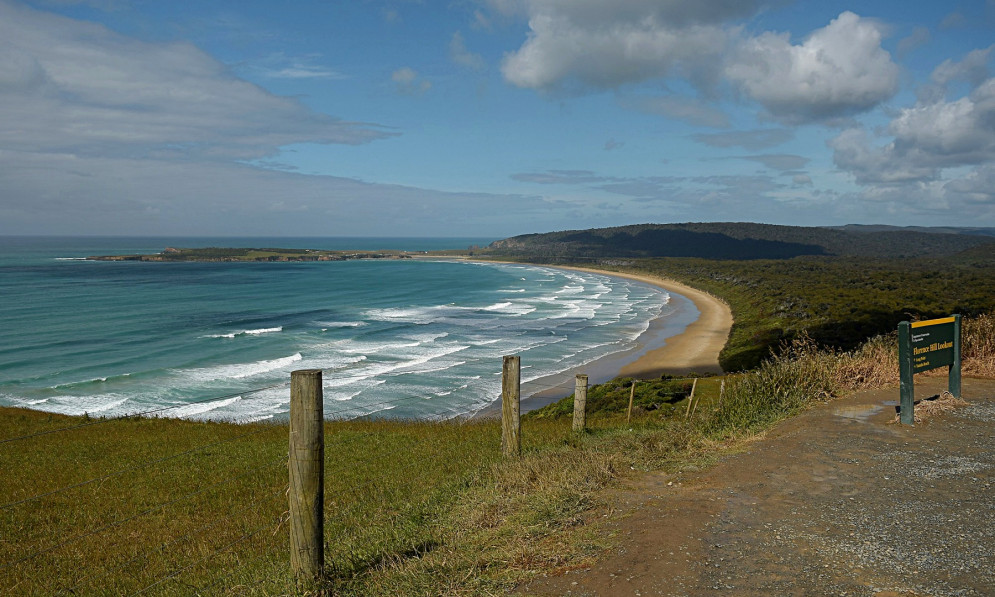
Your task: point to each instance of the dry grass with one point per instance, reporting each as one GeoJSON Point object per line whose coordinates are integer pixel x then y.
{"type": "Point", "coordinates": [978, 348]}
{"type": "Point", "coordinates": [932, 407]}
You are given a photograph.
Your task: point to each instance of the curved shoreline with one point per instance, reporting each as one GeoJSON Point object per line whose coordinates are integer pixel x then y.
{"type": "Point", "coordinates": [697, 348]}
{"type": "Point", "coordinates": [660, 351]}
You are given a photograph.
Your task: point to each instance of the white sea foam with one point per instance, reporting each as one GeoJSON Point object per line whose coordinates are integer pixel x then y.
{"type": "Point", "coordinates": [264, 331]}
{"type": "Point", "coordinates": [77, 405]}
{"type": "Point", "coordinates": [241, 370]}
{"type": "Point", "coordinates": [70, 258]}
{"type": "Point", "coordinates": [193, 410]}
{"type": "Point", "coordinates": [417, 315]}
{"type": "Point", "coordinates": [508, 308]}
{"type": "Point", "coordinates": [340, 324]}
{"type": "Point", "coordinates": [255, 332]}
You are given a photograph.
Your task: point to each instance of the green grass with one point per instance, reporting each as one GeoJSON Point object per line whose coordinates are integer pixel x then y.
{"type": "Point", "coordinates": [411, 507]}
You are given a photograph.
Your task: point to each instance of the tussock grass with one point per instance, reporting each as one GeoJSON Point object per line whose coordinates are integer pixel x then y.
{"type": "Point", "coordinates": [978, 350]}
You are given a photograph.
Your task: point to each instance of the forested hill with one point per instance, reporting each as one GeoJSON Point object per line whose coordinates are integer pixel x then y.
{"type": "Point", "coordinates": [732, 240]}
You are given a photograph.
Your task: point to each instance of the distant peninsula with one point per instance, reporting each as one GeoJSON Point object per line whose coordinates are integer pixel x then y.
{"type": "Point", "coordinates": [225, 254]}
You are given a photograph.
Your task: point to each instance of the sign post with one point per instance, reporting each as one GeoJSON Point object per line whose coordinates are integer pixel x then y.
{"type": "Point", "coordinates": [924, 345]}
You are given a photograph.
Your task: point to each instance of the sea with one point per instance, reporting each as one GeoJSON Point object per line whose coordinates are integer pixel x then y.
{"type": "Point", "coordinates": [415, 338]}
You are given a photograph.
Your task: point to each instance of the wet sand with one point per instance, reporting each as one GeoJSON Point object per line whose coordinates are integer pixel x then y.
{"type": "Point", "coordinates": [686, 340]}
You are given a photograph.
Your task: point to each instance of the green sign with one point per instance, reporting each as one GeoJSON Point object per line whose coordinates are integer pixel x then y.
{"type": "Point", "coordinates": [932, 343]}
{"type": "Point", "coordinates": [925, 345]}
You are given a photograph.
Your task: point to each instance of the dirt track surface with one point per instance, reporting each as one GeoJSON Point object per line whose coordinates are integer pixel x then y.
{"type": "Point", "coordinates": [835, 501]}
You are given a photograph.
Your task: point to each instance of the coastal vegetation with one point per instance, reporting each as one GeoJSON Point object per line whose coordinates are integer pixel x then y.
{"type": "Point", "coordinates": [412, 507]}
{"type": "Point", "coordinates": [162, 506]}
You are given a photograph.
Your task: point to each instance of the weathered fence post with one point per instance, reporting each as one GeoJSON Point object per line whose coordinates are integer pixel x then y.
{"type": "Point", "coordinates": [694, 385]}
{"type": "Point", "coordinates": [511, 396]}
{"type": "Point", "coordinates": [580, 402]}
{"type": "Point", "coordinates": [307, 475]}
{"type": "Point", "coordinates": [632, 395]}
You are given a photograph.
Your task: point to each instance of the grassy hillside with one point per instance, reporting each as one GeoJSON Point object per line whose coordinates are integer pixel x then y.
{"type": "Point", "coordinates": [725, 240]}
{"type": "Point", "coordinates": [169, 507]}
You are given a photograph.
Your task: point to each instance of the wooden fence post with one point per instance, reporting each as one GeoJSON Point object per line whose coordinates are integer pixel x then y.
{"type": "Point", "coordinates": [511, 396]}
{"type": "Point", "coordinates": [580, 403]}
{"type": "Point", "coordinates": [307, 475]}
{"type": "Point", "coordinates": [632, 395]}
{"type": "Point", "coordinates": [691, 398]}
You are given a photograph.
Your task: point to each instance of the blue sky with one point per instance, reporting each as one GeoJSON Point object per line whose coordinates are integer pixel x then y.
{"type": "Point", "coordinates": [491, 118]}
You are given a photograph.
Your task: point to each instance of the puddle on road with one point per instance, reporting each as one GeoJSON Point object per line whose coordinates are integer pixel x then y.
{"type": "Point", "coordinates": [858, 412]}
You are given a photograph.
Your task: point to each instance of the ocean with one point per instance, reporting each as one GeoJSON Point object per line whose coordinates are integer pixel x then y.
{"type": "Point", "coordinates": [414, 338]}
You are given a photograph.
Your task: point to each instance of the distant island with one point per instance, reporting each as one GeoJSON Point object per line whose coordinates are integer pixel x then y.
{"type": "Point", "coordinates": [227, 254]}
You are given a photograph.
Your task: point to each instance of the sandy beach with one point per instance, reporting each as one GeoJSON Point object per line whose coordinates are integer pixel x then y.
{"type": "Point", "coordinates": [687, 340]}
{"type": "Point", "coordinates": [696, 348]}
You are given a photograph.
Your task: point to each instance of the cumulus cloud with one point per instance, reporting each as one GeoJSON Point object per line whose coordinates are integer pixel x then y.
{"type": "Point", "coordinates": [579, 45]}
{"type": "Point", "coordinates": [973, 68]}
{"type": "Point", "coordinates": [949, 133]}
{"type": "Point", "coordinates": [937, 151]}
{"type": "Point", "coordinates": [605, 44]}
{"type": "Point", "coordinates": [839, 70]}
{"type": "Point", "coordinates": [75, 86]}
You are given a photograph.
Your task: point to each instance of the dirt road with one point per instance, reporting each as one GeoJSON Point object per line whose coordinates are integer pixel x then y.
{"type": "Point", "coordinates": [836, 501]}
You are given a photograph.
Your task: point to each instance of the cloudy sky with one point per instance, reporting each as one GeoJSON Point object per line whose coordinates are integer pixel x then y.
{"type": "Point", "coordinates": [490, 118]}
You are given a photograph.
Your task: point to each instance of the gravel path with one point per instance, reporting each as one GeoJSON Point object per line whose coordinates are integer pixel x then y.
{"type": "Point", "coordinates": [836, 501]}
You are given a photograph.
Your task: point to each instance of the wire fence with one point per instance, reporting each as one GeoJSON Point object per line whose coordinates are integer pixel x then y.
{"type": "Point", "coordinates": [99, 506]}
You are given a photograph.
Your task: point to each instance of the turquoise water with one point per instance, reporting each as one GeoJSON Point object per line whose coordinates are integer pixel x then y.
{"type": "Point", "coordinates": [405, 338]}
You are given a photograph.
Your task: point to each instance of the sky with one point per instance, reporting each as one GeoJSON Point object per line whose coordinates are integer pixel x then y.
{"type": "Point", "coordinates": [491, 118]}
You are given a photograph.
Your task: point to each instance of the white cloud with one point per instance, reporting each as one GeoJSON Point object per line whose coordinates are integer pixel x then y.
{"type": "Point", "coordinates": [973, 69]}
{"type": "Point", "coordinates": [580, 45]}
{"type": "Point", "coordinates": [67, 85]}
{"type": "Point", "coordinates": [940, 153]}
{"type": "Point", "coordinates": [101, 133]}
{"type": "Point", "coordinates": [67, 194]}
{"type": "Point", "coordinates": [853, 152]}
{"type": "Point", "coordinates": [839, 70]}
{"type": "Point", "coordinates": [949, 133]}
{"type": "Point", "coordinates": [605, 44]}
